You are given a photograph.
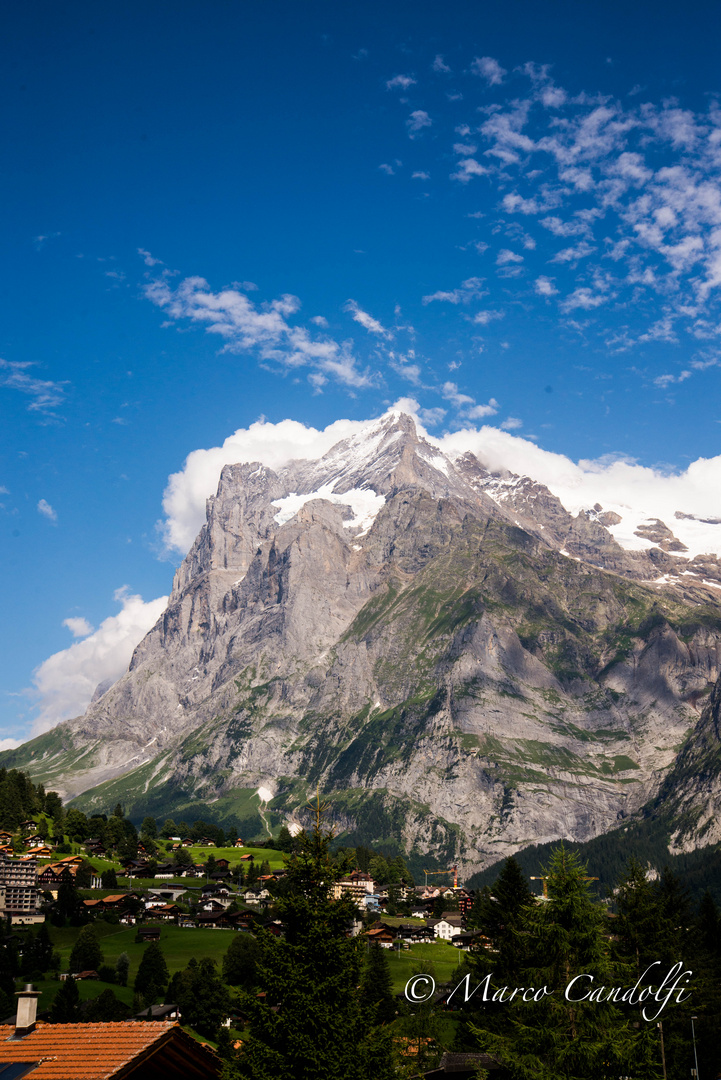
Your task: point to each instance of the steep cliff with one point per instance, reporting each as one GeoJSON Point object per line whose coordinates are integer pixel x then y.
{"type": "Point", "coordinates": [465, 667]}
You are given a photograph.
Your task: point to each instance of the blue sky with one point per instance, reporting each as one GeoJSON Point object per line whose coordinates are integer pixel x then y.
{"type": "Point", "coordinates": [220, 212]}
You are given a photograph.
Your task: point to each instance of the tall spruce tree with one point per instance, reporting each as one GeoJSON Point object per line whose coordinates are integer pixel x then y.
{"type": "Point", "coordinates": [65, 1008]}
{"type": "Point", "coordinates": [377, 986]}
{"type": "Point", "coordinates": [86, 954]}
{"type": "Point", "coordinates": [550, 1037]}
{"type": "Point", "coordinates": [152, 976]}
{"type": "Point", "coordinates": [321, 1030]}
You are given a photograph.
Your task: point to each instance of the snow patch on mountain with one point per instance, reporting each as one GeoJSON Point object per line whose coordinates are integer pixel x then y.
{"type": "Point", "coordinates": [364, 503]}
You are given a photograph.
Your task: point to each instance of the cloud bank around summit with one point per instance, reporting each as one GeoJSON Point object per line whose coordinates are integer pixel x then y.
{"type": "Point", "coordinates": [636, 492]}
{"type": "Point", "coordinates": [64, 683]}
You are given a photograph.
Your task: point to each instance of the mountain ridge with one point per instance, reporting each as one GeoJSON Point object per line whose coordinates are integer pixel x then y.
{"type": "Point", "coordinates": [436, 645]}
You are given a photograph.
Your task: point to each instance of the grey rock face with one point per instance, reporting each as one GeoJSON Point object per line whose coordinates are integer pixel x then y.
{"type": "Point", "coordinates": [418, 636]}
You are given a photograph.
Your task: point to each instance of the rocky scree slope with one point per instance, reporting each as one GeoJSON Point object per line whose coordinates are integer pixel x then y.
{"type": "Point", "coordinates": [463, 666]}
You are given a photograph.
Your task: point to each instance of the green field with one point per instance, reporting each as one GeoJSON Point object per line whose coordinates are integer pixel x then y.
{"type": "Point", "coordinates": [438, 959]}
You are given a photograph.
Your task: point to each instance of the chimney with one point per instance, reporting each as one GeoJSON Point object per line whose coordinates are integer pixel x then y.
{"type": "Point", "coordinates": [27, 1010]}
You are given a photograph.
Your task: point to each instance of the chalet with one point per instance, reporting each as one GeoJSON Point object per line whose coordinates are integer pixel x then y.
{"type": "Point", "coordinates": [222, 864]}
{"type": "Point", "coordinates": [29, 825]}
{"type": "Point", "coordinates": [147, 933]}
{"type": "Point", "coordinates": [215, 905]}
{"type": "Point", "coordinates": [238, 843]}
{"type": "Point", "coordinates": [215, 889]}
{"type": "Point", "coordinates": [470, 938]}
{"type": "Point", "coordinates": [42, 851]}
{"type": "Point", "coordinates": [187, 842]}
{"type": "Point", "coordinates": [247, 858]}
{"type": "Point", "coordinates": [381, 935]}
{"type": "Point", "coordinates": [213, 920]}
{"type": "Point", "coordinates": [206, 842]}
{"type": "Point", "coordinates": [166, 912]}
{"type": "Point", "coordinates": [447, 927]}
{"type": "Point", "coordinates": [412, 932]}
{"type": "Point", "coordinates": [158, 1012]}
{"type": "Point", "coordinates": [103, 1051]}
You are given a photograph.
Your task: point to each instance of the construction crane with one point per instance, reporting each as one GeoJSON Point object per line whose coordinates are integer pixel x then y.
{"type": "Point", "coordinates": [545, 886]}
{"type": "Point", "coordinates": [451, 870]}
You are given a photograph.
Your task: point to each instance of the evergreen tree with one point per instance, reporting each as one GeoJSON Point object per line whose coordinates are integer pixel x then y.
{"type": "Point", "coordinates": [109, 878]}
{"type": "Point", "coordinates": [65, 1008]}
{"type": "Point", "coordinates": [169, 828]}
{"type": "Point", "coordinates": [321, 1030]}
{"type": "Point", "coordinates": [552, 1037]}
{"type": "Point", "coordinates": [122, 967]}
{"type": "Point", "coordinates": [284, 841]}
{"type": "Point", "coordinates": [149, 828]}
{"type": "Point", "coordinates": [67, 904]}
{"type": "Point", "coordinates": [106, 1008]}
{"type": "Point", "coordinates": [377, 986]}
{"type": "Point", "coordinates": [86, 953]}
{"type": "Point", "coordinates": [152, 976]}
{"type": "Point", "coordinates": [497, 913]}
{"type": "Point", "coordinates": [203, 999]}
{"type": "Point", "coordinates": [241, 961]}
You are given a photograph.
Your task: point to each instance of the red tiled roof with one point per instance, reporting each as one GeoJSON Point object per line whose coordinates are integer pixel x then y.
{"type": "Point", "coordinates": [91, 1051]}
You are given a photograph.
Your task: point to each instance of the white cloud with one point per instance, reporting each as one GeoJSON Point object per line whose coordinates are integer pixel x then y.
{"type": "Point", "coordinates": [78, 626]}
{"type": "Point", "coordinates": [400, 82]}
{"type": "Point", "coordinates": [489, 69]}
{"type": "Point", "coordinates": [505, 256]}
{"type": "Point", "coordinates": [468, 168]}
{"type": "Point", "coordinates": [319, 320]}
{"type": "Point", "coordinates": [573, 254]}
{"type": "Point", "coordinates": [512, 424]}
{"type": "Point", "coordinates": [367, 321]}
{"type": "Point", "coordinates": [466, 404]}
{"type": "Point", "coordinates": [418, 120]}
{"type": "Point", "coordinates": [470, 289]}
{"type": "Point", "coordinates": [439, 64]}
{"type": "Point", "coordinates": [583, 298]}
{"type": "Point", "coordinates": [420, 176]}
{"type": "Point", "coordinates": [544, 286]}
{"type": "Point", "coordinates": [148, 258]}
{"type": "Point", "coordinates": [387, 169]}
{"type": "Point", "coordinates": [46, 510]}
{"type": "Point", "coordinates": [9, 744]}
{"type": "Point", "coordinates": [45, 395]}
{"type": "Point", "coordinates": [66, 681]}
{"type": "Point", "coordinates": [246, 327]}
{"type": "Point", "coordinates": [484, 317]}
{"type": "Point", "coordinates": [272, 444]}
{"type": "Point", "coordinates": [633, 491]}
{"type": "Point", "coordinates": [432, 417]}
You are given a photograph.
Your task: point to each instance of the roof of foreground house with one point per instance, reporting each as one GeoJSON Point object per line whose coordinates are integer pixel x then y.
{"type": "Point", "coordinates": [110, 1051]}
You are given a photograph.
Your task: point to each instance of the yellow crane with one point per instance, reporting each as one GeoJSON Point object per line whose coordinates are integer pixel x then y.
{"type": "Point", "coordinates": [545, 886]}
{"type": "Point", "coordinates": [451, 870]}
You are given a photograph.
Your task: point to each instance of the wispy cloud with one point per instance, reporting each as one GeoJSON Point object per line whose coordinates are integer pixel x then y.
{"type": "Point", "coordinates": [489, 69]}
{"type": "Point", "coordinates": [45, 395]}
{"type": "Point", "coordinates": [78, 626]}
{"type": "Point", "coordinates": [470, 289]}
{"type": "Point", "coordinates": [46, 510]}
{"type": "Point", "coordinates": [148, 258]}
{"type": "Point", "coordinates": [246, 327]}
{"type": "Point", "coordinates": [417, 121]}
{"type": "Point", "coordinates": [373, 326]}
{"type": "Point", "coordinates": [400, 82]}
